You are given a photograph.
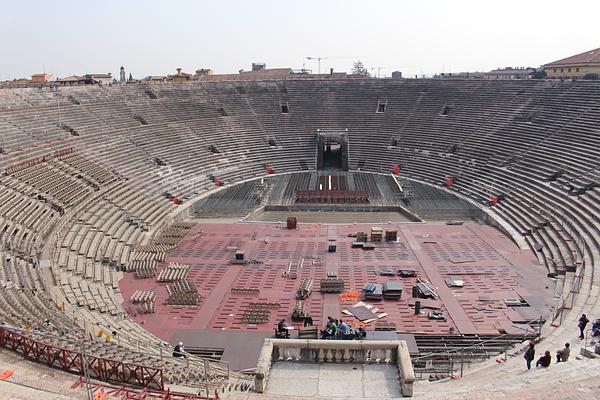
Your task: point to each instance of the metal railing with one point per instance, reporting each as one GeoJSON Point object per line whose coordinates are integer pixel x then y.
{"type": "Point", "coordinates": [588, 338]}
{"type": "Point", "coordinates": [79, 360]}
{"type": "Point", "coordinates": [483, 354]}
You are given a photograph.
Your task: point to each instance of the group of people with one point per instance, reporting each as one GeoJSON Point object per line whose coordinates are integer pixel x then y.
{"type": "Point", "coordinates": [562, 354]}
{"type": "Point", "coordinates": [339, 329]}
{"type": "Point", "coordinates": [544, 361]}
{"type": "Point", "coordinates": [335, 329]}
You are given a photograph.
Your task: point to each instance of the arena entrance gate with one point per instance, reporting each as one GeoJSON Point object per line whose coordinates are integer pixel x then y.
{"type": "Point", "coordinates": [332, 150]}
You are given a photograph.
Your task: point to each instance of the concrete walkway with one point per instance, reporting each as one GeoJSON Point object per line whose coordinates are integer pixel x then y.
{"type": "Point", "coordinates": [343, 381]}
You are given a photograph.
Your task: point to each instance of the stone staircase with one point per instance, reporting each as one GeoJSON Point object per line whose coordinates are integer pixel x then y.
{"type": "Point", "coordinates": [573, 379]}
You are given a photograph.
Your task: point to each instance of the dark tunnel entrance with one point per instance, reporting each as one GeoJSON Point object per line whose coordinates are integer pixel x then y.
{"type": "Point", "coordinates": [332, 151]}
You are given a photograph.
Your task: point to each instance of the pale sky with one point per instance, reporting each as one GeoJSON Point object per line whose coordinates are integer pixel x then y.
{"type": "Point", "coordinates": [66, 37]}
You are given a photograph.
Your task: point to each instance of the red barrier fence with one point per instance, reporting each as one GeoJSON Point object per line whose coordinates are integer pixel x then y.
{"type": "Point", "coordinates": [72, 361]}
{"type": "Point", "coordinates": [128, 393]}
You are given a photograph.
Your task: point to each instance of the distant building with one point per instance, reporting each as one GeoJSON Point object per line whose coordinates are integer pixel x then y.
{"type": "Point", "coordinates": [459, 75]}
{"type": "Point", "coordinates": [180, 77]}
{"type": "Point", "coordinates": [122, 75]}
{"type": "Point", "coordinates": [266, 73]}
{"type": "Point", "coordinates": [155, 79]}
{"type": "Point", "coordinates": [584, 65]}
{"type": "Point", "coordinates": [100, 79]}
{"type": "Point", "coordinates": [22, 81]}
{"type": "Point", "coordinates": [510, 73]}
{"type": "Point", "coordinates": [396, 75]}
{"type": "Point", "coordinates": [202, 72]}
{"type": "Point", "coordinates": [73, 80]}
{"type": "Point", "coordinates": [41, 78]}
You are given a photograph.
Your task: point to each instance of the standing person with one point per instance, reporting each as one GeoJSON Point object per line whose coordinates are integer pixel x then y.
{"type": "Point", "coordinates": [583, 321]}
{"type": "Point", "coordinates": [530, 354]}
{"type": "Point", "coordinates": [179, 351]}
{"type": "Point", "coordinates": [544, 361]}
{"type": "Point", "coordinates": [563, 355]}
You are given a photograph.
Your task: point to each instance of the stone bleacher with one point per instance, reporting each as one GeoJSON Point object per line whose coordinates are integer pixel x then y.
{"type": "Point", "coordinates": [136, 146]}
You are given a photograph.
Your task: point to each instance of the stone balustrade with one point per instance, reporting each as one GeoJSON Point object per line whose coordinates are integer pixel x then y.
{"type": "Point", "coordinates": [393, 352]}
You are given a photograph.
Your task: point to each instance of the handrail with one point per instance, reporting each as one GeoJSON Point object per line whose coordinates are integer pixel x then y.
{"type": "Point", "coordinates": [585, 340]}
{"type": "Point", "coordinates": [480, 343]}
{"type": "Point", "coordinates": [103, 368]}
{"type": "Point", "coordinates": [197, 361]}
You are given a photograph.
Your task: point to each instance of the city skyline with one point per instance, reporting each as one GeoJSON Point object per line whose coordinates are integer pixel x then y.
{"type": "Point", "coordinates": [154, 38]}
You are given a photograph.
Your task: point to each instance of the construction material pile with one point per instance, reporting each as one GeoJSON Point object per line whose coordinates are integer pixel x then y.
{"type": "Point", "coordinates": [144, 300]}
{"type": "Point", "coordinates": [350, 295]}
{"type": "Point", "coordinates": [183, 293]}
{"type": "Point", "coordinates": [305, 289]}
{"type": "Point", "coordinates": [144, 268]}
{"type": "Point", "coordinates": [173, 272]}
{"type": "Point", "coordinates": [365, 313]}
{"type": "Point", "coordinates": [259, 312]}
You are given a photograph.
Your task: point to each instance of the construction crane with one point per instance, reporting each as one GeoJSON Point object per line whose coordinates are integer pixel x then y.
{"type": "Point", "coordinates": [329, 58]}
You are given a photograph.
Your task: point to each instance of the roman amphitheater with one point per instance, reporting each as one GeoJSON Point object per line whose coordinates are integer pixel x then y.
{"type": "Point", "coordinates": [456, 221]}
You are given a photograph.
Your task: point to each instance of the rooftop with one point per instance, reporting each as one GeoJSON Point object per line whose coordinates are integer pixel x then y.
{"type": "Point", "coordinates": [588, 57]}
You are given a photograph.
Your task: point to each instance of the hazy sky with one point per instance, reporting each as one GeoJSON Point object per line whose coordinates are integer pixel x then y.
{"type": "Point", "coordinates": [155, 37]}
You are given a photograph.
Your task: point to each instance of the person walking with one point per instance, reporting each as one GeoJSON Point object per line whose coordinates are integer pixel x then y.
{"type": "Point", "coordinates": [583, 321]}
{"type": "Point", "coordinates": [530, 354]}
{"type": "Point", "coordinates": [563, 355]}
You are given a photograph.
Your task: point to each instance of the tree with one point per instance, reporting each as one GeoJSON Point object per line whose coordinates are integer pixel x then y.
{"type": "Point", "coordinates": [358, 68]}
{"type": "Point", "coordinates": [539, 73]}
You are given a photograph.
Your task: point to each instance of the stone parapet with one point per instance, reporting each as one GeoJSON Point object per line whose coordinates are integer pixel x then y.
{"type": "Point", "coordinates": [393, 352]}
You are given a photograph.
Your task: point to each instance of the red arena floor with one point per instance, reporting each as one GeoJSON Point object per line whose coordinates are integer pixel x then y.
{"type": "Point", "coordinates": [492, 267]}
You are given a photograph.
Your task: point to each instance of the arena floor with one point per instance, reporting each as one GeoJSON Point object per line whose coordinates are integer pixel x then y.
{"type": "Point", "coordinates": [492, 266]}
